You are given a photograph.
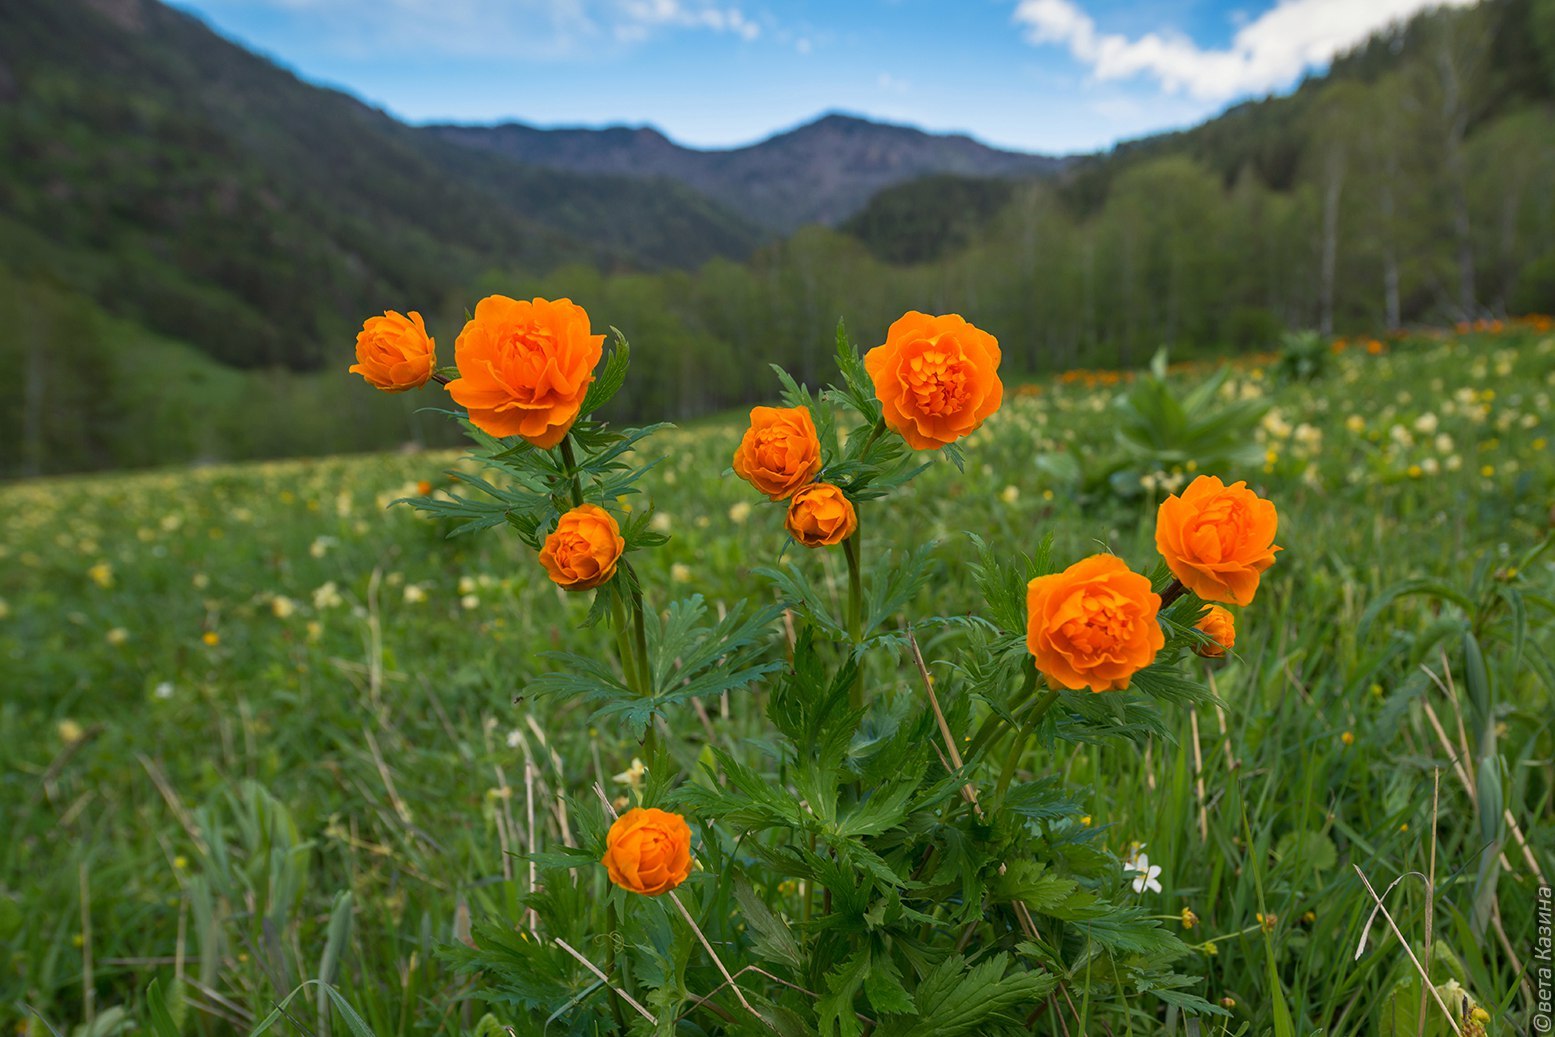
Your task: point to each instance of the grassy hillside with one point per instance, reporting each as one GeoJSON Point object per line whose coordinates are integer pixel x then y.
{"type": "Point", "coordinates": [245, 701]}
{"type": "Point", "coordinates": [92, 390]}
{"type": "Point", "coordinates": [186, 183]}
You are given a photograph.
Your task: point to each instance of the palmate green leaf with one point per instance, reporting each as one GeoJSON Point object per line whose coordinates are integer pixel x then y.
{"type": "Point", "coordinates": [810, 707]}
{"type": "Point", "coordinates": [795, 394]}
{"type": "Point", "coordinates": [608, 382]}
{"type": "Point", "coordinates": [857, 388]}
{"type": "Point", "coordinates": [834, 1010]}
{"type": "Point", "coordinates": [1166, 683]}
{"type": "Point", "coordinates": [1124, 930]}
{"type": "Point", "coordinates": [1002, 584]}
{"type": "Point", "coordinates": [573, 675]}
{"type": "Point", "coordinates": [897, 580]}
{"type": "Point", "coordinates": [1046, 799]}
{"type": "Point", "coordinates": [771, 938]}
{"type": "Point", "coordinates": [798, 594]}
{"type": "Point", "coordinates": [746, 799]}
{"type": "Point", "coordinates": [525, 973]}
{"type": "Point", "coordinates": [1030, 882]}
{"type": "Point", "coordinates": [689, 659]}
{"type": "Point", "coordinates": [987, 998]}
{"type": "Point", "coordinates": [1169, 988]}
{"type": "Point", "coordinates": [472, 515]}
{"type": "Point", "coordinates": [881, 810]}
{"type": "Point", "coordinates": [1117, 715]}
{"type": "Point", "coordinates": [883, 986]}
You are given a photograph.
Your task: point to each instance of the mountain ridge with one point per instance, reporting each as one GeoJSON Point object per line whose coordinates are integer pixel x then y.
{"type": "Point", "coordinates": [821, 171]}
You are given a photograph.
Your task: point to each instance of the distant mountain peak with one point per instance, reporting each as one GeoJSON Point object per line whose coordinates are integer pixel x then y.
{"type": "Point", "coordinates": [822, 171]}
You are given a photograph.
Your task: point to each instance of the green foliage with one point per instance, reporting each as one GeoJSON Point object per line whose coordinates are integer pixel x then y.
{"type": "Point", "coordinates": [1160, 428]}
{"type": "Point", "coordinates": [378, 720]}
{"type": "Point", "coordinates": [1303, 356]}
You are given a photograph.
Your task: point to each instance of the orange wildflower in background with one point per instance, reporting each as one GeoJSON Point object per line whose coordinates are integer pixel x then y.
{"type": "Point", "coordinates": [394, 352]}
{"type": "Point", "coordinates": [820, 515]}
{"type": "Point", "coordinates": [1093, 625]}
{"type": "Point", "coordinates": [1217, 539]}
{"type": "Point", "coordinates": [780, 452]}
{"type": "Point", "coordinates": [937, 378]}
{"type": "Point", "coordinates": [1219, 625]}
{"type": "Point", "coordinates": [583, 550]}
{"type": "Point", "coordinates": [524, 367]}
{"type": "Point", "coordinates": [648, 851]}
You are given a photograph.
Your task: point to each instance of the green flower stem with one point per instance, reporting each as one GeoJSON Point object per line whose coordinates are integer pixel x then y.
{"type": "Point", "coordinates": [991, 728]}
{"type": "Point", "coordinates": [1018, 746]}
{"type": "Point", "coordinates": [875, 432]}
{"type": "Point", "coordinates": [571, 461]}
{"type": "Point", "coordinates": [853, 549]}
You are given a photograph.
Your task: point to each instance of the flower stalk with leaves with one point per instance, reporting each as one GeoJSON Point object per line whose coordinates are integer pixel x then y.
{"type": "Point", "coordinates": [896, 854]}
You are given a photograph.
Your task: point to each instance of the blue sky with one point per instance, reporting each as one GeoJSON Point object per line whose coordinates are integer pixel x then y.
{"type": "Point", "coordinates": [1040, 75]}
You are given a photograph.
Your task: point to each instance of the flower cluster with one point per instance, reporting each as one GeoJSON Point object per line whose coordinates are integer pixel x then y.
{"type": "Point", "coordinates": [935, 381]}
{"type": "Point", "coordinates": [1095, 625]}
{"type": "Point", "coordinates": [865, 820]}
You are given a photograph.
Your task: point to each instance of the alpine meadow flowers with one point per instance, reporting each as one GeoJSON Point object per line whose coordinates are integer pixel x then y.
{"type": "Point", "coordinates": [900, 851]}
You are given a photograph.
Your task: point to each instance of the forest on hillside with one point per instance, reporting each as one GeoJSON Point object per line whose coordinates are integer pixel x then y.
{"type": "Point", "coordinates": [1413, 183]}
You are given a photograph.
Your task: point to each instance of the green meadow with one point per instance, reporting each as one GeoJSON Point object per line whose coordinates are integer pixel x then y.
{"type": "Point", "coordinates": [269, 742]}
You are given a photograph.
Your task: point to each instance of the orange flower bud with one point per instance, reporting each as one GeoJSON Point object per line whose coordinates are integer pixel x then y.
{"type": "Point", "coordinates": [394, 352]}
{"type": "Point", "coordinates": [1217, 539]}
{"type": "Point", "coordinates": [525, 367]}
{"type": "Point", "coordinates": [820, 515]}
{"type": "Point", "coordinates": [937, 378]}
{"type": "Point", "coordinates": [648, 851]}
{"type": "Point", "coordinates": [583, 550]}
{"type": "Point", "coordinates": [780, 452]}
{"type": "Point", "coordinates": [1092, 625]}
{"type": "Point", "coordinates": [1219, 625]}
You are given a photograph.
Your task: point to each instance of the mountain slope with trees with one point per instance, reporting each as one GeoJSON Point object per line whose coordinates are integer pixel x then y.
{"type": "Point", "coordinates": [1413, 183]}
{"type": "Point", "coordinates": [195, 187]}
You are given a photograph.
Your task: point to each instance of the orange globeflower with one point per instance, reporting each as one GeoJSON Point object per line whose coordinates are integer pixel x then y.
{"type": "Point", "coordinates": [937, 378]}
{"type": "Point", "coordinates": [583, 550]}
{"type": "Point", "coordinates": [780, 452]}
{"type": "Point", "coordinates": [820, 515]}
{"type": "Point", "coordinates": [1220, 626]}
{"type": "Point", "coordinates": [394, 352]}
{"type": "Point", "coordinates": [524, 367]}
{"type": "Point", "coordinates": [1093, 625]}
{"type": "Point", "coordinates": [648, 851]}
{"type": "Point", "coordinates": [1217, 539]}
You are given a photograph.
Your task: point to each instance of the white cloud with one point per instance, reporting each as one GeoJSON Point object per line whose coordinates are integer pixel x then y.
{"type": "Point", "coordinates": [1268, 52]}
{"type": "Point", "coordinates": [695, 14]}
{"type": "Point", "coordinates": [892, 84]}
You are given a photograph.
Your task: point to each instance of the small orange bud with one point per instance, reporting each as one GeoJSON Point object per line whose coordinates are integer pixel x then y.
{"type": "Point", "coordinates": [1220, 626]}
{"type": "Point", "coordinates": [394, 352]}
{"type": "Point", "coordinates": [821, 515]}
{"type": "Point", "coordinates": [582, 552]}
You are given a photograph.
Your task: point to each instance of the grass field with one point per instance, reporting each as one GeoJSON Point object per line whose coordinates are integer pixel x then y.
{"type": "Point", "coordinates": [262, 729]}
